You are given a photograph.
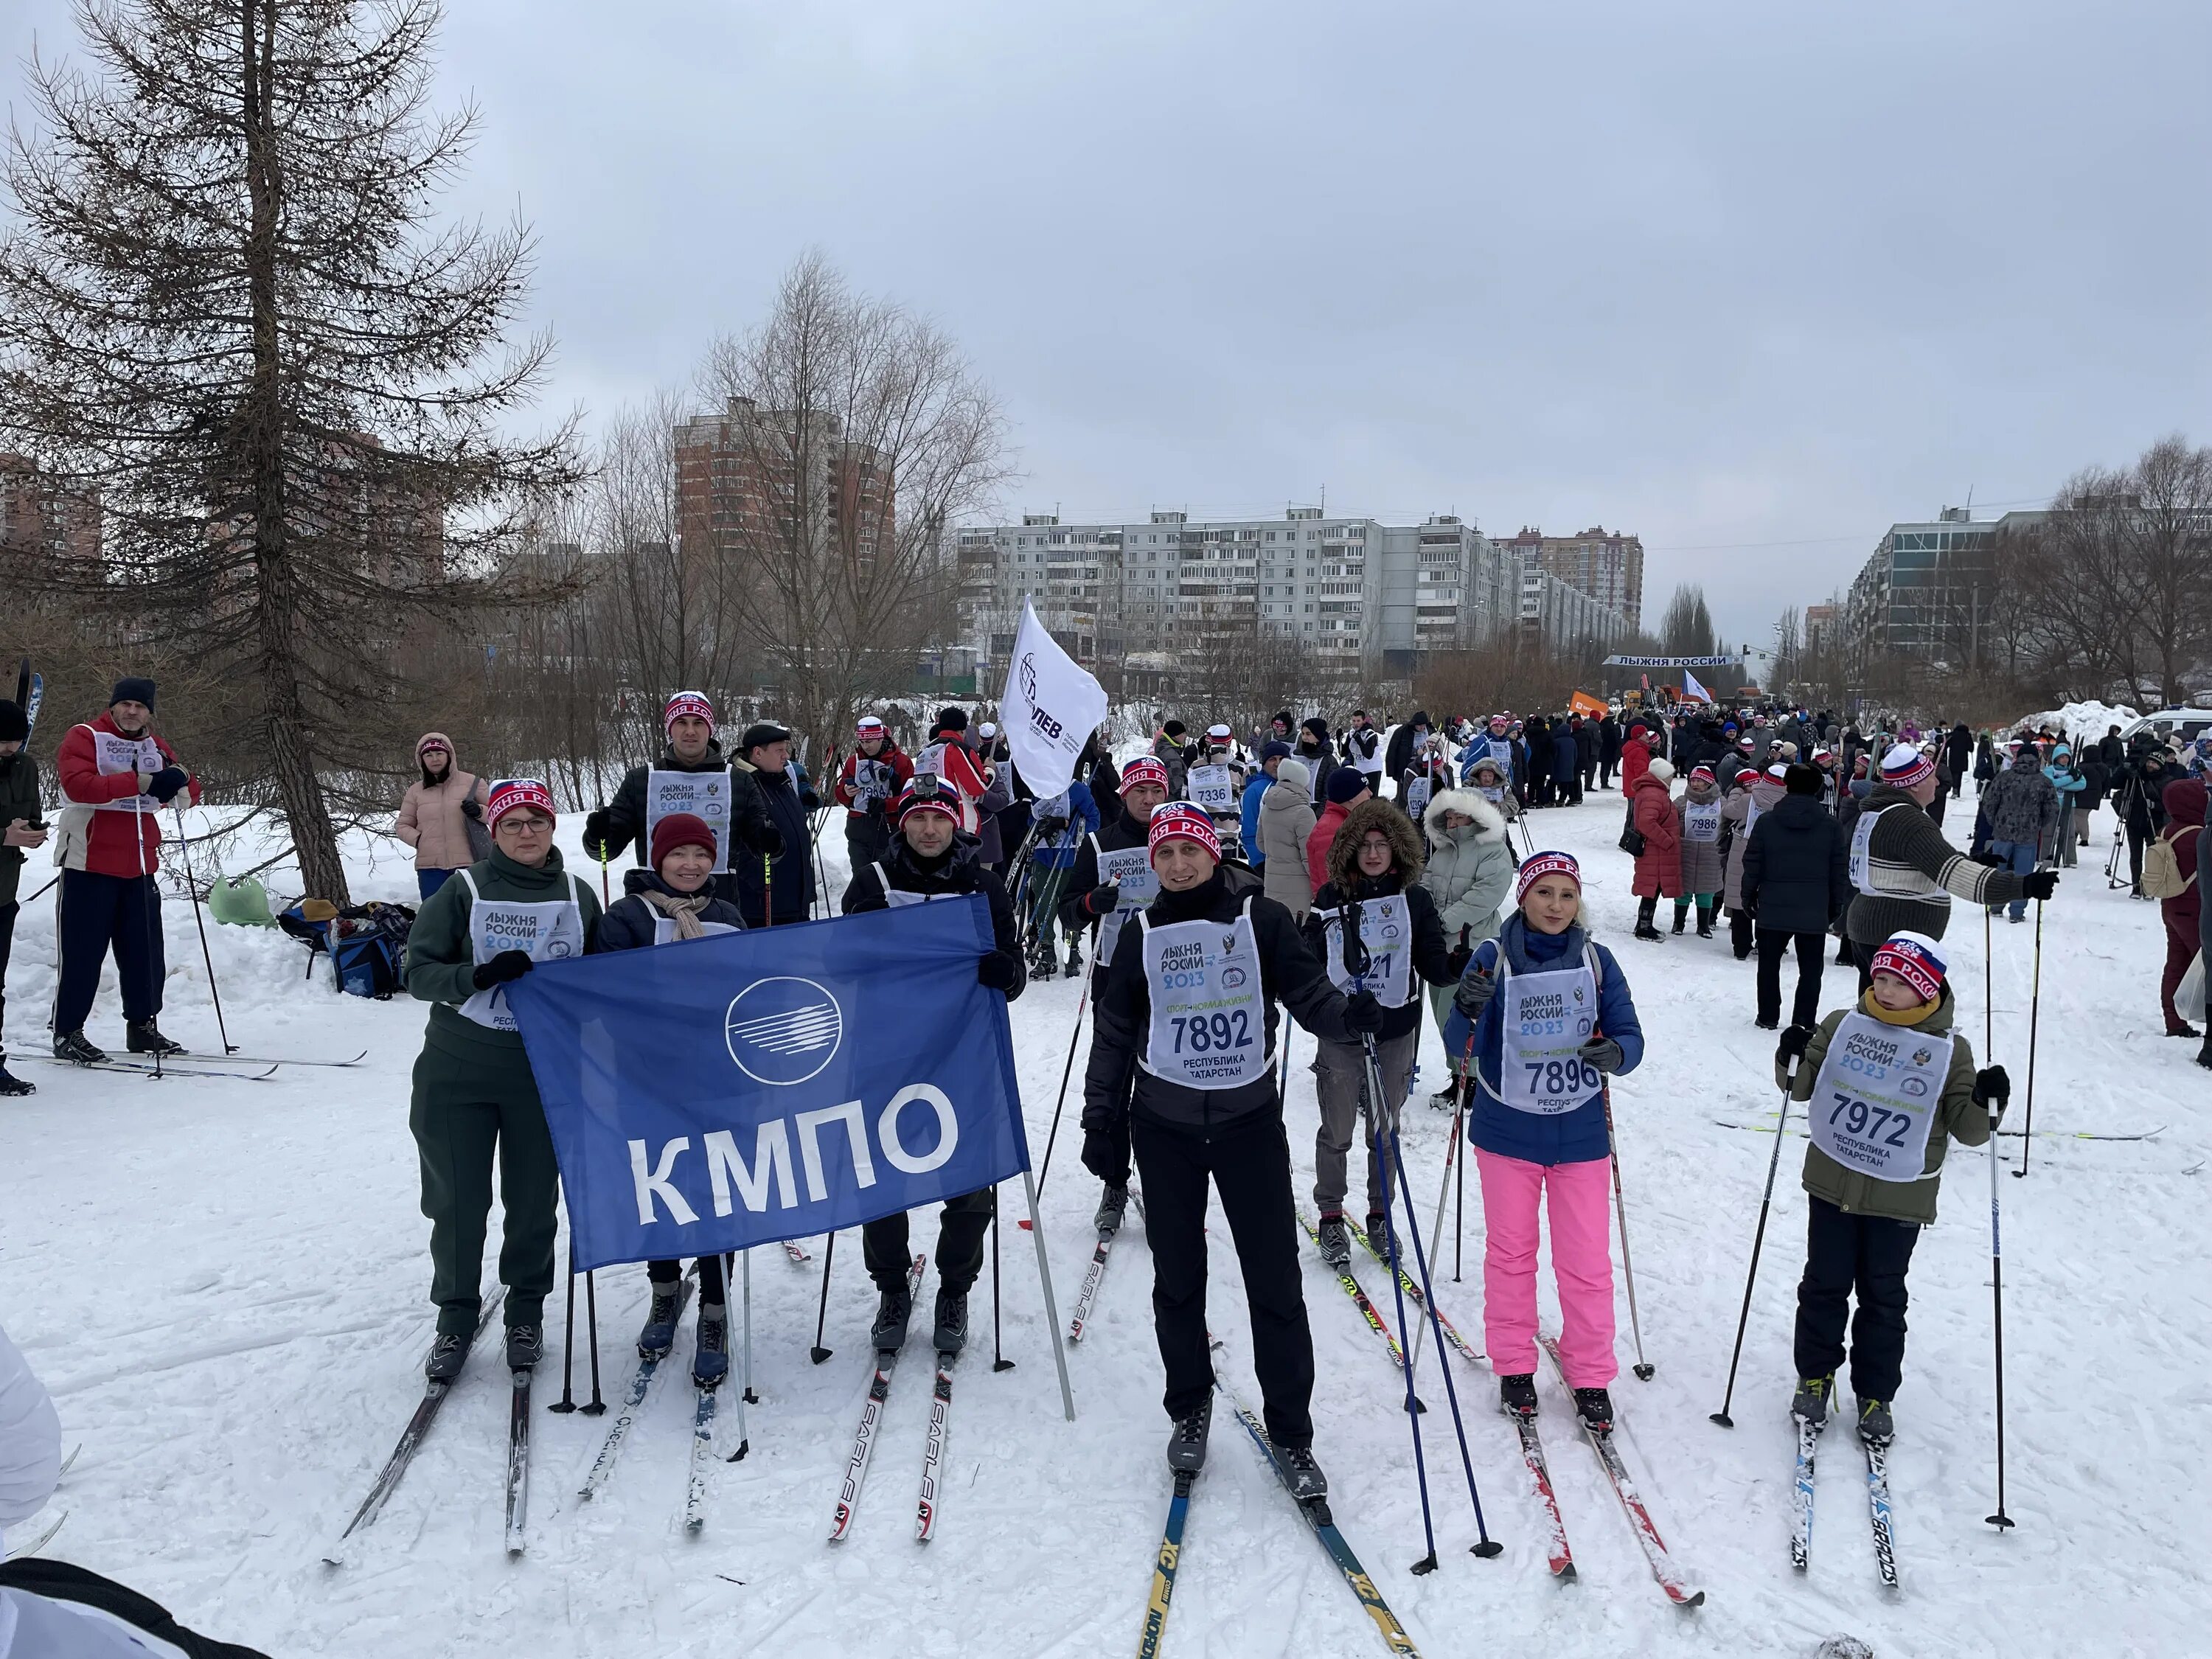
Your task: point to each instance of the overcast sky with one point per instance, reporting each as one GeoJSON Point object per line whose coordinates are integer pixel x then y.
{"type": "Point", "coordinates": [1750, 280]}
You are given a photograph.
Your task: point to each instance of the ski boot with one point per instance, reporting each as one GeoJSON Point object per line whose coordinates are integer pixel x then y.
{"type": "Point", "coordinates": [1075, 960]}
{"type": "Point", "coordinates": [1378, 1228]}
{"type": "Point", "coordinates": [892, 1313]}
{"type": "Point", "coordinates": [144, 1037]}
{"type": "Point", "coordinates": [1809, 1405]}
{"type": "Point", "coordinates": [1516, 1394]}
{"type": "Point", "coordinates": [448, 1355]}
{"type": "Point", "coordinates": [1594, 1406]}
{"type": "Point", "coordinates": [1876, 1426]}
{"type": "Point", "coordinates": [1187, 1444]}
{"type": "Point", "coordinates": [1445, 1099]}
{"type": "Point", "coordinates": [76, 1047]}
{"type": "Point", "coordinates": [1113, 1205]}
{"type": "Point", "coordinates": [951, 1332]}
{"type": "Point", "coordinates": [1335, 1241]}
{"type": "Point", "coordinates": [659, 1333]}
{"type": "Point", "coordinates": [12, 1085]}
{"type": "Point", "coordinates": [710, 1361]}
{"type": "Point", "coordinates": [1308, 1484]}
{"type": "Point", "coordinates": [525, 1346]}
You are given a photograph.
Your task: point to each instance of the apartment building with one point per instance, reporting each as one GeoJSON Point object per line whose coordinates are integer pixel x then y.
{"type": "Point", "coordinates": [1607, 565]}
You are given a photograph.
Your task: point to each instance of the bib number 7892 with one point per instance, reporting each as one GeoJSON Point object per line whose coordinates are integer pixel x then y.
{"type": "Point", "coordinates": [1858, 1115]}
{"type": "Point", "coordinates": [1208, 1033]}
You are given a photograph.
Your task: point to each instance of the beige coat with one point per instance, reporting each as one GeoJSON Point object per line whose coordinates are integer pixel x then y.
{"type": "Point", "coordinates": [1286, 820]}
{"type": "Point", "coordinates": [430, 820]}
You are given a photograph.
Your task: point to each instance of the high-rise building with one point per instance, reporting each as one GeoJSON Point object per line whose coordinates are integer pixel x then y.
{"type": "Point", "coordinates": [751, 481]}
{"type": "Point", "coordinates": [38, 516]}
{"type": "Point", "coordinates": [1608, 566]}
{"type": "Point", "coordinates": [1929, 591]}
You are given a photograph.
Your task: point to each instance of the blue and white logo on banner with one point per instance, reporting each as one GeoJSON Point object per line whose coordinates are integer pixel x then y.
{"type": "Point", "coordinates": [733, 1090]}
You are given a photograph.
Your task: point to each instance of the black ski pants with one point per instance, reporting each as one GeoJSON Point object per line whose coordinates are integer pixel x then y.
{"type": "Point", "coordinates": [960, 1230]}
{"type": "Point", "coordinates": [672, 1272]}
{"type": "Point", "coordinates": [1844, 1253]}
{"type": "Point", "coordinates": [1812, 957]}
{"type": "Point", "coordinates": [1740, 933]}
{"type": "Point", "coordinates": [64, 1581]}
{"type": "Point", "coordinates": [7, 913]}
{"type": "Point", "coordinates": [99, 913]}
{"type": "Point", "coordinates": [1249, 1163]}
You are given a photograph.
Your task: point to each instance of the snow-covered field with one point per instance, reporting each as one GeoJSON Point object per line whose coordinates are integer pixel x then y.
{"type": "Point", "coordinates": [225, 1285]}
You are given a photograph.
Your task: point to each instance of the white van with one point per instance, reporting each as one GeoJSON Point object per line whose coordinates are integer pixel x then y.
{"type": "Point", "coordinates": [2189, 724]}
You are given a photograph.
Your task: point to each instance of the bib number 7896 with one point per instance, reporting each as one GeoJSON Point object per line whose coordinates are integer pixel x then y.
{"type": "Point", "coordinates": [1207, 1033]}
{"type": "Point", "coordinates": [1858, 1114]}
{"type": "Point", "coordinates": [1561, 1077]}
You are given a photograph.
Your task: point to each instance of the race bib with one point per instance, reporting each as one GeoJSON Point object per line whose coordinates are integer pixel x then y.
{"type": "Point", "coordinates": [898, 899]}
{"type": "Point", "coordinates": [1494, 793]}
{"type": "Point", "coordinates": [1213, 788]}
{"type": "Point", "coordinates": [1418, 791]}
{"type": "Point", "coordinates": [872, 780]}
{"type": "Point", "coordinates": [1547, 1017]}
{"type": "Point", "coordinates": [663, 929]}
{"type": "Point", "coordinates": [1131, 866]}
{"type": "Point", "coordinates": [1863, 851]}
{"type": "Point", "coordinates": [1501, 751]}
{"type": "Point", "coordinates": [1701, 823]}
{"type": "Point", "coordinates": [1209, 1019]}
{"type": "Point", "coordinates": [1750, 819]}
{"type": "Point", "coordinates": [704, 794]}
{"type": "Point", "coordinates": [1386, 929]}
{"type": "Point", "coordinates": [1874, 1101]}
{"type": "Point", "coordinates": [547, 930]}
{"type": "Point", "coordinates": [115, 755]}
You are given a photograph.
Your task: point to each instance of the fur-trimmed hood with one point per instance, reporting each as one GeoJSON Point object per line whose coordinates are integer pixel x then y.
{"type": "Point", "coordinates": [1489, 822]}
{"type": "Point", "coordinates": [1343, 862]}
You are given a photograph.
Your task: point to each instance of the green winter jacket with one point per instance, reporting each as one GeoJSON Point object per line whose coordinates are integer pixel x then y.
{"type": "Point", "coordinates": [19, 799]}
{"type": "Point", "coordinates": [441, 967]}
{"type": "Point", "coordinates": [1957, 1117]}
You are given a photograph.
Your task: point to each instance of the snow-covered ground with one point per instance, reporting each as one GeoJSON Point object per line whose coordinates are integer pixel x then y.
{"type": "Point", "coordinates": [225, 1285]}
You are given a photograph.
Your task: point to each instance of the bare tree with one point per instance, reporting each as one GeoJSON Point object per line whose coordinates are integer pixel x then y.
{"type": "Point", "coordinates": [1686, 629]}
{"type": "Point", "coordinates": [225, 312]}
{"type": "Point", "coordinates": [854, 435]}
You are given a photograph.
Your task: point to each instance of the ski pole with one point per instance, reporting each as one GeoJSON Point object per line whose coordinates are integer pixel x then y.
{"type": "Point", "coordinates": [1451, 1157]}
{"type": "Point", "coordinates": [1643, 1368]}
{"type": "Point", "coordinates": [214, 993]}
{"type": "Point", "coordinates": [1758, 1239]}
{"type": "Point", "coordinates": [1067, 1072]}
{"type": "Point", "coordinates": [605, 904]}
{"type": "Point", "coordinates": [818, 1354]}
{"type": "Point", "coordinates": [767, 891]}
{"type": "Point", "coordinates": [592, 1316]}
{"type": "Point", "coordinates": [155, 954]}
{"type": "Point", "coordinates": [567, 1402]}
{"type": "Point", "coordinates": [2034, 1009]}
{"type": "Point", "coordinates": [999, 1360]}
{"type": "Point", "coordinates": [1370, 1087]}
{"type": "Point", "coordinates": [745, 1395]}
{"type": "Point", "coordinates": [1999, 1520]}
{"type": "Point", "coordinates": [1989, 990]}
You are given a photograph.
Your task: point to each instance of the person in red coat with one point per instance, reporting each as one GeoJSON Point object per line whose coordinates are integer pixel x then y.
{"type": "Point", "coordinates": [1347, 787]}
{"type": "Point", "coordinates": [2184, 801]}
{"type": "Point", "coordinates": [115, 777]}
{"type": "Point", "coordinates": [1659, 866]}
{"type": "Point", "coordinates": [875, 772]}
{"type": "Point", "coordinates": [1635, 755]}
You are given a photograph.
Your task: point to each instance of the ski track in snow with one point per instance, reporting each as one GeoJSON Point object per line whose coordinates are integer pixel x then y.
{"type": "Point", "coordinates": [225, 1286]}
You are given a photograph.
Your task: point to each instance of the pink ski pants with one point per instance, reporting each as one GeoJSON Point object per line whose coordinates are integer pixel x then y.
{"type": "Point", "coordinates": [1581, 1264]}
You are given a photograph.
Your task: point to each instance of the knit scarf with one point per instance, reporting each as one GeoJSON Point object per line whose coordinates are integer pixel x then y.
{"type": "Point", "coordinates": [1895, 1016]}
{"type": "Point", "coordinates": [683, 909]}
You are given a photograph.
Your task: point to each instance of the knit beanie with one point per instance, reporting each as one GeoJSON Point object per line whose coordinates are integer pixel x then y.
{"type": "Point", "coordinates": [681, 829]}
{"type": "Point", "coordinates": [131, 690]}
{"type": "Point", "coordinates": [1346, 784]}
{"type": "Point", "coordinates": [15, 727]}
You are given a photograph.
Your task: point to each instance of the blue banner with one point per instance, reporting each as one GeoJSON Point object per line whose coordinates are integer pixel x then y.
{"type": "Point", "coordinates": [714, 1094]}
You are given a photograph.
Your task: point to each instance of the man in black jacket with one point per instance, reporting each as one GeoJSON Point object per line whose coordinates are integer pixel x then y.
{"type": "Point", "coordinates": [776, 886]}
{"type": "Point", "coordinates": [1796, 881]}
{"type": "Point", "coordinates": [649, 793]}
{"type": "Point", "coordinates": [1182, 1076]}
{"type": "Point", "coordinates": [928, 861]}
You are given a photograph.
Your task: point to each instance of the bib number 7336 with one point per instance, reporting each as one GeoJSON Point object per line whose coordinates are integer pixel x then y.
{"type": "Point", "coordinates": [1860, 1118]}
{"type": "Point", "coordinates": [1556, 1077]}
{"type": "Point", "coordinates": [1207, 1033]}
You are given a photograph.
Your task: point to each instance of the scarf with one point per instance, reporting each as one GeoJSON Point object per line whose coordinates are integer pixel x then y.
{"type": "Point", "coordinates": [1895, 1016]}
{"type": "Point", "coordinates": [683, 909]}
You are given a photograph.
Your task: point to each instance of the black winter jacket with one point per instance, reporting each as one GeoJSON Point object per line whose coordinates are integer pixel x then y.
{"type": "Point", "coordinates": [959, 869]}
{"type": "Point", "coordinates": [758, 797]}
{"type": "Point", "coordinates": [629, 924]}
{"type": "Point", "coordinates": [19, 799]}
{"type": "Point", "coordinates": [1432, 956]}
{"type": "Point", "coordinates": [1116, 834]}
{"type": "Point", "coordinates": [1796, 869]}
{"type": "Point", "coordinates": [1114, 1087]}
{"type": "Point", "coordinates": [619, 826]}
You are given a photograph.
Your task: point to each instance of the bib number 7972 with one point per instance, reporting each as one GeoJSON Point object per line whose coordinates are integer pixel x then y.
{"type": "Point", "coordinates": [1857, 1116]}
{"type": "Point", "coordinates": [1208, 1033]}
{"type": "Point", "coordinates": [1555, 1078]}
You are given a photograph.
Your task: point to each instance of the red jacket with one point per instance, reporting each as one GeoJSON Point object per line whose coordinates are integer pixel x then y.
{"type": "Point", "coordinates": [1317, 843]}
{"type": "Point", "coordinates": [1635, 756]}
{"type": "Point", "coordinates": [98, 837]}
{"type": "Point", "coordinates": [1659, 866]}
{"type": "Point", "coordinates": [948, 752]}
{"type": "Point", "coordinates": [847, 789]}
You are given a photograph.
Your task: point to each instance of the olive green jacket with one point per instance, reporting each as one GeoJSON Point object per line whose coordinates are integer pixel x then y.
{"type": "Point", "coordinates": [441, 965]}
{"type": "Point", "coordinates": [19, 799]}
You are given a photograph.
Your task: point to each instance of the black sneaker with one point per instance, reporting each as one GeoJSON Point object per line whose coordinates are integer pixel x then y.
{"type": "Point", "coordinates": [448, 1355]}
{"type": "Point", "coordinates": [1810, 1403]}
{"type": "Point", "coordinates": [145, 1038]}
{"type": "Point", "coordinates": [75, 1046]}
{"type": "Point", "coordinates": [1335, 1242]}
{"type": "Point", "coordinates": [1113, 1205]}
{"type": "Point", "coordinates": [951, 1332]}
{"type": "Point", "coordinates": [1187, 1442]}
{"type": "Point", "coordinates": [1876, 1426]}
{"type": "Point", "coordinates": [1444, 1099]}
{"type": "Point", "coordinates": [525, 1346]}
{"type": "Point", "coordinates": [1308, 1484]}
{"type": "Point", "coordinates": [1596, 1407]}
{"type": "Point", "coordinates": [659, 1333]}
{"type": "Point", "coordinates": [12, 1085]}
{"type": "Point", "coordinates": [1516, 1394]}
{"type": "Point", "coordinates": [710, 1362]}
{"type": "Point", "coordinates": [892, 1313]}
{"type": "Point", "coordinates": [1766, 1024]}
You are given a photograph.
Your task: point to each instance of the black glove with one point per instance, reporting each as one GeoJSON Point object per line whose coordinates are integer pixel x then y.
{"type": "Point", "coordinates": [1604, 1054]}
{"type": "Point", "coordinates": [506, 966]}
{"type": "Point", "coordinates": [1458, 961]}
{"type": "Point", "coordinates": [596, 834]}
{"type": "Point", "coordinates": [1991, 1084]}
{"type": "Point", "coordinates": [808, 798]}
{"type": "Point", "coordinates": [1473, 994]}
{"type": "Point", "coordinates": [471, 808]}
{"type": "Point", "coordinates": [2040, 884]}
{"type": "Point", "coordinates": [996, 971]}
{"type": "Point", "coordinates": [1792, 1045]}
{"type": "Point", "coordinates": [767, 840]}
{"type": "Point", "coordinates": [166, 782]}
{"type": "Point", "coordinates": [1363, 1015]}
{"type": "Point", "coordinates": [1101, 899]}
{"type": "Point", "coordinates": [1052, 828]}
{"type": "Point", "coordinates": [1106, 1154]}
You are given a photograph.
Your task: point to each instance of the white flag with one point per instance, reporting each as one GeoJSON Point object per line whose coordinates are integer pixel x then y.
{"type": "Point", "coordinates": [1692, 688]}
{"type": "Point", "coordinates": [1050, 708]}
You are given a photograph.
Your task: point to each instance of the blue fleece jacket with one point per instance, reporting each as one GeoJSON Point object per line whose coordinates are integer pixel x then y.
{"type": "Point", "coordinates": [1575, 1136]}
{"type": "Point", "coordinates": [1255, 787]}
{"type": "Point", "coordinates": [1058, 852]}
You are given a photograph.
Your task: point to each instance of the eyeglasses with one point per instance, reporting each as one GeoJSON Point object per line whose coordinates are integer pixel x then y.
{"type": "Point", "coordinates": [530, 822]}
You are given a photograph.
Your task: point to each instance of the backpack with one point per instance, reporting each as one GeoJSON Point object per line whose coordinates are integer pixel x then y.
{"type": "Point", "coordinates": [2161, 869]}
{"type": "Point", "coordinates": [366, 943]}
{"type": "Point", "coordinates": [368, 965]}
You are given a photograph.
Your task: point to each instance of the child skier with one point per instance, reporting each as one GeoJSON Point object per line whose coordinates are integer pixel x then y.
{"type": "Point", "coordinates": [1552, 1019]}
{"type": "Point", "coordinates": [1889, 1083]}
{"type": "Point", "coordinates": [675, 899]}
{"type": "Point", "coordinates": [1697, 820]}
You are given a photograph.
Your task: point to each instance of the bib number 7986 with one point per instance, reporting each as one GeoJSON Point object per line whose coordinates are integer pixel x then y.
{"type": "Point", "coordinates": [1207, 1033]}
{"type": "Point", "coordinates": [1858, 1115]}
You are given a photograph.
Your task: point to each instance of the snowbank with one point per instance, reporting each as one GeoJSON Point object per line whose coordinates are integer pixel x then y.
{"type": "Point", "coordinates": [2079, 720]}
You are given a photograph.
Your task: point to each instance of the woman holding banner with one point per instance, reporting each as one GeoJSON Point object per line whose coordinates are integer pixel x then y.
{"type": "Point", "coordinates": [474, 1094]}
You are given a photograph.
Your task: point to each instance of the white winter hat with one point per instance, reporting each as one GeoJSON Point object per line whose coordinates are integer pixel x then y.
{"type": "Point", "coordinates": [1295, 773]}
